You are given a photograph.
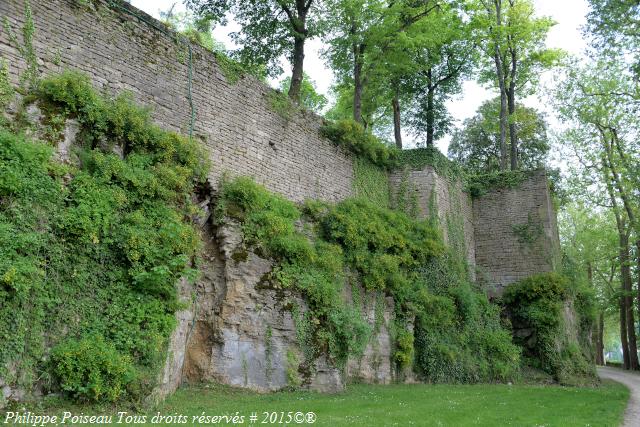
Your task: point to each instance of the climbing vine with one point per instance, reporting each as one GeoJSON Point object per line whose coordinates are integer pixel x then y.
{"type": "Point", "coordinates": [370, 182]}
{"type": "Point", "coordinates": [29, 78]}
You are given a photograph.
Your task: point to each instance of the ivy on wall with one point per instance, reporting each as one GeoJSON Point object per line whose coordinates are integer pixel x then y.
{"type": "Point", "coordinates": [370, 182]}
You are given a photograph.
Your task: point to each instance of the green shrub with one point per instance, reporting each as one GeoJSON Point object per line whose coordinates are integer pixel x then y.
{"type": "Point", "coordinates": [353, 137]}
{"type": "Point", "coordinates": [479, 185]}
{"type": "Point", "coordinates": [539, 304]}
{"type": "Point", "coordinates": [418, 158]}
{"type": "Point", "coordinates": [96, 247]}
{"type": "Point", "coordinates": [458, 335]}
{"type": "Point", "coordinates": [90, 369]}
{"type": "Point", "coordinates": [460, 338]}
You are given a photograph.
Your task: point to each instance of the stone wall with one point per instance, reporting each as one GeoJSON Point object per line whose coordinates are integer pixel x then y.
{"type": "Point", "coordinates": [516, 233]}
{"type": "Point", "coordinates": [239, 331]}
{"type": "Point", "coordinates": [438, 197]}
{"type": "Point", "coordinates": [241, 131]}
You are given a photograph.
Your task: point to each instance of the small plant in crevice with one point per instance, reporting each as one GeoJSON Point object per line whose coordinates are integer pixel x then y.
{"type": "Point", "coordinates": [7, 92]}
{"type": "Point", "coordinates": [529, 232]}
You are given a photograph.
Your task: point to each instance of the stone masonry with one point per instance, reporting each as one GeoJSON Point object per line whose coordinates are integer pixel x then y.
{"type": "Point", "coordinates": [242, 133]}
{"type": "Point", "coordinates": [238, 331]}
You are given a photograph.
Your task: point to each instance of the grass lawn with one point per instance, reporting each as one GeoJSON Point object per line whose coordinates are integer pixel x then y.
{"type": "Point", "coordinates": [401, 405]}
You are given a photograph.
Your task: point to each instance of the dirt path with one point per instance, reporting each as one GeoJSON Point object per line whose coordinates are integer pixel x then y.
{"type": "Point", "coordinates": [631, 380]}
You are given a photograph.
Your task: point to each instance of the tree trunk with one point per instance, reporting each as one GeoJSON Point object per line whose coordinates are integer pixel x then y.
{"type": "Point", "coordinates": [625, 249]}
{"type": "Point", "coordinates": [638, 272]}
{"type": "Point", "coordinates": [357, 82]}
{"type": "Point", "coordinates": [627, 283]}
{"type": "Point", "coordinates": [397, 131]}
{"type": "Point", "coordinates": [298, 69]}
{"type": "Point", "coordinates": [513, 131]}
{"type": "Point", "coordinates": [430, 109]}
{"type": "Point", "coordinates": [503, 90]}
{"type": "Point", "coordinates": [623, 333]}
{"type": "Point", "coordinates": [600, 341]}
{"type": "Point", "coordinates": [599, 332]}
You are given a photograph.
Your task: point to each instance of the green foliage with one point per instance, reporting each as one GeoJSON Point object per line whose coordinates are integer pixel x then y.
{"type": "Point", "coordinates": [293, 376]}
{"type": "Point", "coordinates": [310, 99]}
{"type": "Point", "coordinates": [476, 146]}
{"type": "Point", "coordinates": [403, 356]}
{"type": "Point", "coordinates": [383, 246]}
{"type": "Point", "coordinates": [370, 182]}
{"type": "Point", "coordinates": [541, 304]}
{"type": "Point", "coordinates": [479, 185]}
{"type": "Point", "coordinates": [91, 369]}
{"type": "Point", "coordinates": [459, 334]}
{"type": "Point", "coordinates": [529, 232]}
{"type": "Point", "coordinates": [281, 104]}
{"type": "Point", "coordinates": [384, 251]}
{"type": "Point", "coordinates": [312, 267]}
{"type": "Point", "coordinates": [6, 90]}
{"type": "Point", "coordinates": [406, 197]}
{"type": "Point", "coordinates": [353, 137]}
{"type": "Point", "coordinates": [97, 247]}
{"type": "Point", "coordinates": [418, 158]}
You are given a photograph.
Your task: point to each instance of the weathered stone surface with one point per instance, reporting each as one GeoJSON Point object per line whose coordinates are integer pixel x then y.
{"type": "Point", "coordinates": [171, 375]}
{"type": "Point", "coordinates": [502, 256]}
{"type": "Point", "coordinates": [244, 325]}
{"type": "Point", "coordinates": [453, 207]}
{"type": "Point", "coordinates": [242, 133]}
{"type": "Point", "coordinates": [374, 366]}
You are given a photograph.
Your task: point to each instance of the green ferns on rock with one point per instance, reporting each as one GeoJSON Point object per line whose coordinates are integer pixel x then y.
{"type": "Point", "coordinates": [95, 248]}
{"type": "Point", "coordinates": [320, 249]}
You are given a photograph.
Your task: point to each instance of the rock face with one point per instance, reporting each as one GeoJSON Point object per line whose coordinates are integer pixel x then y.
{"type": "Point", "coordinates": [240, 329]}
{"type": "Point", "coordinates": [244, 332]}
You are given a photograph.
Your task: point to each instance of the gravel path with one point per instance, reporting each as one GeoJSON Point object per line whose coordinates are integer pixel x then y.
{"type": "Point", "coordinates": [631, 380]}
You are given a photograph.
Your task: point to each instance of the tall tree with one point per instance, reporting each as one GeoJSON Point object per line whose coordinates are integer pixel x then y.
{"type": "Point", "coordinates": [615, 25]}
{"type": "Point", "coordinates": [477, 144]}
{"type": "Point", "coordinates": [309, 96]}
{"type": "Point", "coordinates": [364, 40]}
{"type": "Point", "coordinates": [513, 42]}
{"type": "Point", "coordinates": [269, 29]}
{"type": "Point", "coordinates": [438, 64]}
{"type": "Point", "coordinates": [598, 102]}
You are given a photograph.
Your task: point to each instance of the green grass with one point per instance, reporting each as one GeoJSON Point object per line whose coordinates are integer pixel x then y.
{"type": "Point", "coordinates": [405, 405]}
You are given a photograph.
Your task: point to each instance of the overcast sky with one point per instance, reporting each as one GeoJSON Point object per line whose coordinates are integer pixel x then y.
{"type": "Point", "coordinates": [569, 15]}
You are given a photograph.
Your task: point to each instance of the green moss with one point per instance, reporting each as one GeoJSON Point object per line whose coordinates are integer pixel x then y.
{"type": "Point", "coordinates": [281, 104]}
{"type": "Point", "coordinates": [418, 158]}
